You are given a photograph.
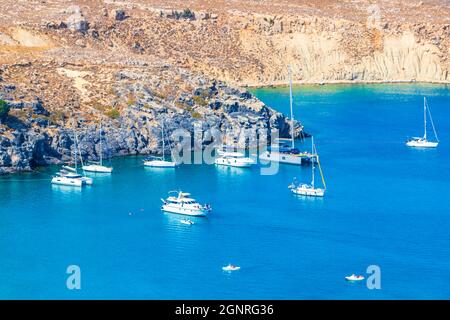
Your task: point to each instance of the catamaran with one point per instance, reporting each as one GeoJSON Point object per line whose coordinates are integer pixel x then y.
{"type": "Point", "coordinates": [161, 162]}
{"type": "Point", "coordinates": [182, 203]}
{"type": "Point", "coordinates": [310, 190]}
{"type": "Point", "coordinates": [422, 142]}
{"type": "Point", "coordinates": [283, 152]}
{"type": "Point", "coordinates": [98, 166]}
{"type": "Point", "coordinates": [67, 178]}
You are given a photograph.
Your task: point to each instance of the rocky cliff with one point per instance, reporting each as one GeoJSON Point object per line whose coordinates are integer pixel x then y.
{"type": "Point", "coordinates": [132, 64]}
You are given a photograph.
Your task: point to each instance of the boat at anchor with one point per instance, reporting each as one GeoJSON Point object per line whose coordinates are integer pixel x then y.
{"type": "Point", "coordinates": [233, 159]}
{"type": "Point", "coordinates": [68, 175]}
{"type": "Point", "coordinates": [423, 142]}
{"type": "Point", "coordinates": [161, 162]}
{"type": "Point", "coordinates": [94, 166]}
{"type": "Point", "coordinates": [310, 189]}
{"type": "Point", "coordinates": [182, 203]}
{"type": "Point", "coordinates": [283, 152]}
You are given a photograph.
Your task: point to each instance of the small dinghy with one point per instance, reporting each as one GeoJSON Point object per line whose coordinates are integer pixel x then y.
{"type": "Point", "coordinates": [354, 277]}
{"type": "Point", "coordinates": [188, 222]}
{"type": "Point", "coordinates": [231, 267]}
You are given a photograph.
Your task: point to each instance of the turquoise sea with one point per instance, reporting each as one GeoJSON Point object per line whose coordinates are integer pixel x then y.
{"type": "Point", "coordinates": [386, 205]}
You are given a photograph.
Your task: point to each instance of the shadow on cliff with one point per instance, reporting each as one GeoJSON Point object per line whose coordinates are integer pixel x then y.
{"type": "Point", "coordinates": [14, 123]}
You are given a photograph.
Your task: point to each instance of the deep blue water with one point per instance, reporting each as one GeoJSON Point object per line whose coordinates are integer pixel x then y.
{"type": "Point", "coordinates": [386, 205]}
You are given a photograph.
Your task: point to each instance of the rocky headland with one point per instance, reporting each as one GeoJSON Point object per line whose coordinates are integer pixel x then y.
{"type": "Point", "coordinates": [133, 64]}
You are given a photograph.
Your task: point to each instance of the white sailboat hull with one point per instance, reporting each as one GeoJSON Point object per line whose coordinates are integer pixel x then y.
{"type": "Point", "coordinates": [185, 210]}
{"type": "Point", "coordinates": [97, 168]}
{"type": "Point", "coordinates": [422, 144]}
{"type": "Point", "coordinates": [64, 181]}
{"type": "Point", "coordinates": [281, 158]}
{"type": "Point", "coordinates": [305, 190]}
{"type": "Point", "coordinates": [160, 164]}
{"type": "Point", "coordinates": [234, 162]}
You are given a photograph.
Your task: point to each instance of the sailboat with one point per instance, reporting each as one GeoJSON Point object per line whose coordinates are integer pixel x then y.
{"type": "Point", "coordinates": [310, 190]}
{"type": "Point", "coordinates": [68, 175]}
{"type": "Point", "coordinates": [98, 166]}
{"type": "Point", "coordinates": [422, 142]}
{"type": "Point", "coordinates": [284, 152]}
{"type": "Point", "coordinates": [161, 162]}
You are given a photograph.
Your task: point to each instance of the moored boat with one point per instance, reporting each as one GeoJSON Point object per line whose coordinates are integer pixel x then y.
{"type": "Point", "coordinates": [282, 152]}
{"type": "Point", "coordinates": [231, 267]}
{"type": "Point", "coordinates": [354, 277]}
{"type": "Point", "coordinates": [234, 159]}
{"type": "Point", "coordinates": [161, 162]}
{"type": "Point", "coordinates": [69, 175]}
{"type": "Point", "coordinates": [67, 179]}
{"type": "Point", "coordinates": [98, 167]}
{"type": "Point", "coordinates": [423, 142]}
{"type": "Point", "coordinates": [310, 190]}
{"type": "Point", "coordinates": [182, 203]}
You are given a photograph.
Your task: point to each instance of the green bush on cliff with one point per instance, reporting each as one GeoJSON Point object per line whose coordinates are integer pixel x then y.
{"type": "Point", "coordinates": [195, 115]}
{"type": "Point", "coordinates": [113, 113]}
{"type": "Point", "coordinates": [4, 109]}
{"type": "Point", "coordinates": [199, 100]}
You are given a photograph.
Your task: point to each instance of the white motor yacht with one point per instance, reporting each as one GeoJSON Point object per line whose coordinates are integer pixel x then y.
{"type": "Point", "coordinates": [182, 203]}
{"type": "Point", "coordinates": [234, 159]}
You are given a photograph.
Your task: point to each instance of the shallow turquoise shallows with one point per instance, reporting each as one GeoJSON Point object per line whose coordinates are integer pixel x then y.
{"type": "Point", "coordinates": [386, 205]}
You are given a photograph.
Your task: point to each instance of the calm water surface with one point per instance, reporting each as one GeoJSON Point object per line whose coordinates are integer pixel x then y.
{"type": "Point", "coordinates": [386, 205]}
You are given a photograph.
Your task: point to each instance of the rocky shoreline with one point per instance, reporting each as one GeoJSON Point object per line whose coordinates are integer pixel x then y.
{"type": "Point", "coordinates": [343, 82]}
{"type": "Point", "coordinates": [35, 141]}
{"type": "Point", "coordinates": [131, 65]}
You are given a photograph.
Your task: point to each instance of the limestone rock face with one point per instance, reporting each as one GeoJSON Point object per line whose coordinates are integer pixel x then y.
{"type": "Point", "coordinates": [76, 21]}
{"type": "Point", "coordinates": [341, 51]}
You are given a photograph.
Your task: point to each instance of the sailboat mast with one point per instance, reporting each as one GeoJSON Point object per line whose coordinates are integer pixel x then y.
{"type": "Point", "coordinates": [101, 148]}
{"type": "Point", "coordinates": [75, 144]}
{"type": "Point", "coordinates": [312, 166]}
{"type": "Point", "coordinates": [162, 137]}
{"type": "Point", "coordinates": [425, 117]}
{"type": "Point", "coordinates": [290, 104]}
